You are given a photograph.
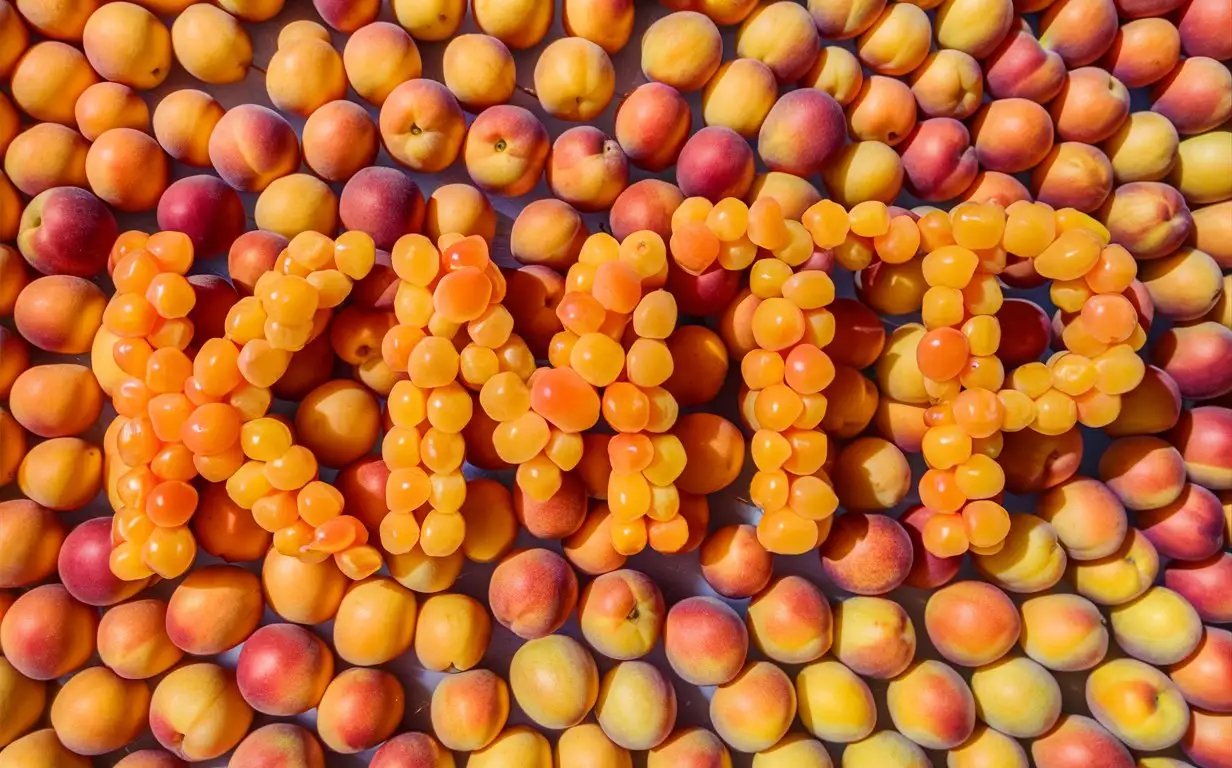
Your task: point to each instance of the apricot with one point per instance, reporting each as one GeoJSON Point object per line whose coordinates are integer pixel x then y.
{"type": "Point", "coordinates": [31, 537]}
{"type": "Point", "coordinates": [1065, 633]}
{"type": "Point", "coordinates": [41, 749]}
{"type": "Point", "coordinates": [1121, 576]}
{"type": "Point", "coordinates": [491, 535]}
{"type": "Point", "coordinates": [48, 79]}
{"type": "Point", "coordinates": [871, 474]}
{"type": "Point", "coordinates": [14, 274]}
{"type": "Point", "coordinates": [96, 711]}
{"type": "Point", "coordinates": [1160, 627]}
{"type": "Point", "coordinates": [734, 562]}
{"type": "Point", "coordinates": [782, 36]}
{"type": "Point", "coordinates": [834, 703]}
{"type": "Point", "coordinates": [683, 50]}
{"type": "Point", "coordinates": [338, 421]}
{"type": "Point", "coordinates": [505, 150]}
{"type": "Point", "coordinates": [1194, 95]}
{"type": "Point", "coordinates": [1001, 688]}
{"type": "Point", "coordinates": [971, 623]}
{"type": "Point", "coordinates": [554, 680]}
{"type": "Point", "coordinates": [589, 549]}
{"type": "Point", "coordinates": [47, 633]}
{"type": "Point", "coordinates": [133, 641]}
{"type": "Point", "coordinates": [622, 614]}
{"type": "Point", "coordinates": [14, 36]}
{"type": "Point", "coordinates": [213, 609]}
{"type": "Point", "coordinates": [1079, 30]}
{"type": "Point", "coordinates": [718, 448]}
{"type": "Point", "coordinates": [586, 745]}
{"type": "Point", "coordinates": [574, 79]}
{"type": "Point", "coordinates": [1207, 737]}
{"type": "Point", "coordinates": [1201, 165]}
{"type": "Point", "coordinates": [412, 749]}
{"type": "Point", "coordinates": [104, 106]}
{"type": "Point", "coordinates": [790, 621]}
{"type": "Point", "coordinates": [548, 232]}
{"type": "Point", "coordinates": [753, 711]}
{"type": "Point", "coordinates": [1138, 704]}
{"type": "Point", "coordinates": [305, 593]}
{"type": "Point", "coordinates": [63, 473]}
{"type": "Point", "coordinates": [873, 636]}
{"type": "Point", "coordinates": [1144, 472]}
{"type": "Point", "coordinates": [863, 171]}
{"type": "Point", "coordinates": [375, 622]}
{"type": "Point", "coordinates": [21, 703]}
{"type": "Point", "coordinates": [1143, 148]}
{"type": "Point", "coordinates": [520, 25]}
{"type": "Point", "coordinates": [532, 592]}
{"type": "Point", "coordinates": [1031, 559]}
{"type": "Point", "coordinates": [988, 747]}
{"type": "Point", "coordinates": [304, 74]}
{"type": "Point", "coordinates": [14, 447]}
{"type": "Point", "coordinates": [885, 748]}
{"type": "Point", "coordinates": [518, 745]}
{"type": "Point", "coordinates": [1034, 462]}
{"type": "Point", "coordinates": [45, 156]}
{"type": "Point", "coordinates": [652, 125]}
{"type": "Point", "coordinates": [435, 20]}
{"type": "Point", "coordinates": [586, 169]}
{"type": "Point", "coordinates": [804, 131]}
{"type": "Point", "coordinates": [451, 633]}
{"type": "Point", "coordinates": [1151, 220]}
{"type": "Point", "coordinates": [84, 566]}
{"type": "Point", "coordinates": [1088, 518]}
{"type": "Point", "coordinates": [211, 44]}
{"type": "Point", "coordinates": [460, 209]}
{"type": "Point", "coordinates": [636, 707]}
{"type": "Point", "coordinates": [931, 704]}
{"type": "Point", "coordinates": [127, 44]}
{"type": "Point", "coordinates": [360, 709]}
{"type": "Point", "coordinates": [837, 72]}
{"type": "Point", "coordinates": [469, 709]}
{"type": "Point", "coordinates": [1012, 135]}
{"type": "Point", "coordinates": [279, 743]}
{"type": "Point", "coordinates": [897, 42]}
{"type": "Point", "coordinates": [424, 573]}
{"type": "Point", "coordinates": [844, 20]}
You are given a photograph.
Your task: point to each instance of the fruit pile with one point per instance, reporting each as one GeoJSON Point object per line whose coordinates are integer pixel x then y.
{"type": "Point", "coordinates": [989, 436]}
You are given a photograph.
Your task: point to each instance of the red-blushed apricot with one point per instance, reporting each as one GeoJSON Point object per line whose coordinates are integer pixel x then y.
{"type": "Point", "coordinates": [283, 670]}
{"type": "Point", "coordinates": [84, 566]}
{"type": "Point", "coordinates": [1088, 518]}
{"type": "Point", "coordinates": [278, 744]}
{"type": "Point", "coordinates": [226, 530]}
{"type": "Point", "coordinates": [150, 758]}
{"type": "Point", "coordinates": [866, 554]}
{"type": "Point", "coordinates": [205, 209]}
{"type": "Point", "coordinates": [532, 592]}
{"type": "Point", "coordinates": [412, 750]}
{"type": "Point", "coordinates": [469, 709]}
{"type": "Point", "coordinates": [931, 705]}
{"type": "Point", "coordinates": [706, 641]}
{"type": "Point", "coordinates": [47, 633]}
{"type": "Point", "coordinates": [734, 562]}
{"type": "Point", "coordinates": [971, 623]}
{"type": "Point", "coordinates": [753, 711]}
{"type": "Point", "coordinates": [790, 621]}
{"type": "Point", "coordinates": [360, 709]}
{"type": "Point", "coordinates": [559, 516]}
{"type": "Point", "coordinates": [1065, 633]}
{"type": "Point", "coordinates": [873, 636]}
{"type": "Point", "coordinates": [622, 614]}
{"type": "Point", "coordinates": [215, 608]}
{"type": "Point", "coordinates": [133, 641]}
